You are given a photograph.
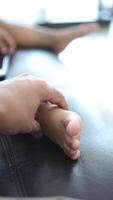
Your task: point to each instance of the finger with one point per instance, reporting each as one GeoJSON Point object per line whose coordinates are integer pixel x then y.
{"type": "Point", "coordinates": [10, 42]}
{"type": "Point", "coordinates": [56, 97]}
{"type": "Point", "coordinates": [47, 93]}
{"type": "Point", "coordinates": [3, 47]}
{"type": "Point", "coordinates": [35, 128]}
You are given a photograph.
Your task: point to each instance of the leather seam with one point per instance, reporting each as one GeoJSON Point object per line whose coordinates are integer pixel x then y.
{"type": "Point", "coordinates": [10, 157]}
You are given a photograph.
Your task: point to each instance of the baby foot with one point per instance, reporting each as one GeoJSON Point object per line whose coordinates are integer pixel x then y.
{"type": "Point", "coordinates": [62, 127]}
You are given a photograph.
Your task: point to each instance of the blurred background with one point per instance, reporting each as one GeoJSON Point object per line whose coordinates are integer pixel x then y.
{"type": "Point", "coordinates": [87, 60]}
{"type": "Point", "coordinates": [60, 11]}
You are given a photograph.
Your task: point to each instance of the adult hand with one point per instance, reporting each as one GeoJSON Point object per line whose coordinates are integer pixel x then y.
{"type": "Point", "coordinates": [20, 98]}
{"type": "Point", "coordinates": [7, 42]}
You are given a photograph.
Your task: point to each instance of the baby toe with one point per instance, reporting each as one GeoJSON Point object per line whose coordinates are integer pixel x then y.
{"type": "Point", "coordinates": [74, 127]}
{"type": "Point", "coordinates": [66, 147]}
{"type": "Point", "coordinates": [72, 142]}
{"type": "Point", "coordinates": [74, 154]}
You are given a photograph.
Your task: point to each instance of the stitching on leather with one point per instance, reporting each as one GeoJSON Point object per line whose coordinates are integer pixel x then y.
{"type": "Point", "coordinates": [6, 144]}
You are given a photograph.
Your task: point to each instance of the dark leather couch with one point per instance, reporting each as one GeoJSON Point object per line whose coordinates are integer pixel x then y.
{"type": "Point", "coordinates": [39, 168]}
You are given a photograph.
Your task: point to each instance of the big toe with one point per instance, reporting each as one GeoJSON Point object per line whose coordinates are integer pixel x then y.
{"type": "Point", "coordinates": [74, 126]}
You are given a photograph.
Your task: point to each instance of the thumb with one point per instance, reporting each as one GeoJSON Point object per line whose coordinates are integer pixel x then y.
{"type": "Point", "coordinates": [35, 127]}
{"type": "Point", "coordinates": [36, 130]}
